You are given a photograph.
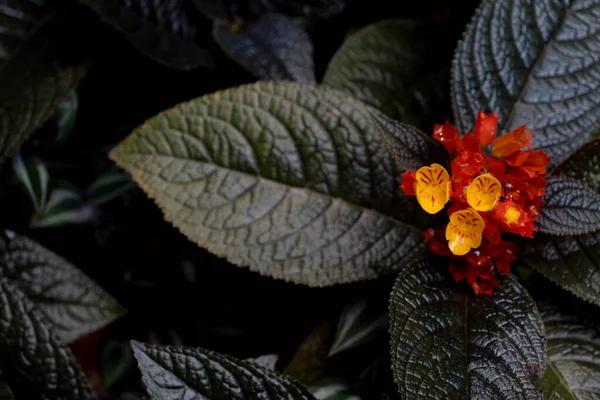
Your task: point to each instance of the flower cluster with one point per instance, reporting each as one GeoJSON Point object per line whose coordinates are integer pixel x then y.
{"type": "Point", "coordinates": [494, 186]}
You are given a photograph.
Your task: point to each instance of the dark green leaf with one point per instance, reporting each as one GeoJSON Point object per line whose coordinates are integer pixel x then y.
{"type": "Point", "coordinates": [533, 63]}
{"type": "Point", "coordinates": [410, 147]}
{"type": "Point", "coordinates": [572, 262]}
{"type": "Point", "coordinates": [160, 29]}
{"type": "Point", "coordinates": [69, 300]}
{"type": "Point", "coordinates": [33, 176]}
{"type": "Point", "coordinates": [181, 372]}
{"type": "Point", "coordinates": [570, 208]}
{"type": "Point", "coordinates": [447, 344]}
{"type": "Point", "coordinates": [573, 371]}
{"type": "Point", "coordinates": [308, 363]}
{"type": "Point", "coordinates": [583, 165]}
{"type": "Point", "coordinates": [40, 366]}
{"type": "Point", "coordinates": [288, 179]}
{"type": "Point", "coordinates": [108, 187]}
{"type": "Point", "coordinates": [64, 207]}
{"type": "Point", "coordinates": [272, 48]}
{"type": "Point", "coordinates": [387, 66]}
{"type": "Point", "coordinates": [40, 67]}
{"type": "Point", "coordinates": [332, 389]}
{"type": "Point", "coordinates": [65, 115]}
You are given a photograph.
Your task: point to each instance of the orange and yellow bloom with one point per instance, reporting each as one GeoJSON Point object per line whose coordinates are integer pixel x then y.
{"type": "Point", "coordinates": [490, 190]}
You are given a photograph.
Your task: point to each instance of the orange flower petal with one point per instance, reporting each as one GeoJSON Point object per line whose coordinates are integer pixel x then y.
{"type": "Point", "coordinates": [464, 231]}
{"type": "Point", "coordinates": [483, 193]}
{"type": "Point", "coordinates": [408, 183]}
{"type": "Point", "coordinates": [485, 128]}
{"type": "Point", "coordinates": [433, 188]}
{"type": "Point", "coordinates": [506, 145]}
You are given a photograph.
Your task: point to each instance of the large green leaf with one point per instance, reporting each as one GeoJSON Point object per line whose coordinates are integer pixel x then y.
{"type": "Point", "coordinates": [447, 344]}
{"type": "Point", "coordinates": [37, 365]}
{"type": "Point", "coordinates": [536, 63]}
{"type": "Point", "coordinates": [387, 66]}
{"type": "Point", "coordinates": [583, 165]}
{"type": "Point", "coordinates": [570, 208]}
{"type": "Point", "coordinates": [185, 373]}
{"type": "Point", "coordinates": [162, 29]}
{"type": "Point", "coordinates": [69, 300]}
{"type": "Point", "coordinates": [572, 262]}
{"type": "Point", "coordinates": [271, 48]}
{"type": "Point", "coordinates": [289, 179]}
{"type": "Point", "coordinates": [39, 65]}
{"type": "Point", "coordinates": [573, 371]}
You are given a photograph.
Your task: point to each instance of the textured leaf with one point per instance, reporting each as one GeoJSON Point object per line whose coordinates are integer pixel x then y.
{"type": "Point", "coordinates": [356, 326]}
{"type": "Point", "coordinates": [572, 262]}
{"type": "Point", "coordinates": [35, 73]}
{"type": "Point", "coordinates": [583, 165]}
{"type": "Point", "coordinates": [410, 147]}
{"type": "Point", "coordinates": [40, 366]}
{"type": "Point", "coordinates": [570, 208]}
{"type": "Point", "coordinates": [181, 372]}
{"type": "Point", "coordinates": [387, 66]}
{"type": "Point", "coordinates": [271, 48]}
{"type": "Point", "coordinates": [535, 63]}
{"type": "Point", "coordinates": [332, 389]}
{"type": "Point", "coordinates": [573, 371]}
{"type": "Point", "coordinates": [447, 344]}
{"type": "Point", "coordinates": [288, 179]}
{"type": "Point", "coordinates": [34, 177]}
{"type": "Point", "coordinates": [160, 29]}
{"type": "Point", "coordinates": [308, 363]}
{"type": "Point", "coordinates": [70, 301]}
{"type": "Point", "coordinates": [64, 207]}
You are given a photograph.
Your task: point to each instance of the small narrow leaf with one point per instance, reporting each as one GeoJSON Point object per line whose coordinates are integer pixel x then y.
{"type": "Point", "coordinates": [34, 177]}
{"type": "Point", "coordinates": [181, 372]}
{"type": "Point", "coordinates": [271, 48]}
{"type": "Point", "coordinates": [39, 365]}
{"type": "Point", "coordinates": [288, 179]}
{"type": "Point", "coordinates": [64, 207]}
{"type": "Point", "coordinates": [160, 29]}
{"type": "Point", "coordinates": [332, 389]}
{"type": "Point", "coordinates": [449, 344]}
{"type": "Point", "coordinates": [573, 371]}
{"type": "Point", "coordinates": [108, 187]}
{"type": "Point", "coordinates": [573, 262]}
{"type": "Point", "coordinates": [570, 208]}
{"type": "Point", "coordinates": [583, 165]}
{"type": "Point", "coordinates": [69, 300]}
{"type": "Point", "coordinates": [533, 63]}
{"type": "Point", "coordinates": [410, 147]}
{"type": "Point", "coordinates": [310, 358]}
{"type": "Point", "coordinates": [65, 115]}
{"type": "Point", "coordinates": [356, 326]}
{"type": "Point", "coordinates": [387, 66]}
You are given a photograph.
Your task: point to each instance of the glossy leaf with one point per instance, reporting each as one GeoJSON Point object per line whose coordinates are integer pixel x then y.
{"type": "Point", "coordinates": [161, 30]}
{"type": "Point", "coordinates": [34, 177]}
{"type": "Point", "coordinates": [35, 71]}
{"type": "Point", "coordinates": [573, 262]}
{"type": "Point", "coordinates": [288, 179]}
{"type": "Point", "coordinates": [410, 147]}
{"type": "Point", "coordinates": [308, 363]}
{"type": "Point", "coordinates": [533, 63]}
{"type": "Point", "coordinates": [332, 389]}
{"type": "Point", "coordinates": [583, 165]}
{"type": "Point", "coordinates": [356, 326]}
{"type": "Point", "coordinates": [387, 66]}
{"type": "Point", "coordinates": [70, 301]}
{"type": "Point", "coordinates": [109, 186]}
{"type": "Point", "coordinates": [183, 372]}
{"type": "Point", "coordinates": [272, 48]}
{"type": "Point", "coordinates": [39, 365]}
{"type": "Point", "coordinates": [570, 208]}
{"type": "Point", "coordinates": [64, 207]}
{"type": "Point", "coordinates": [447, 343]}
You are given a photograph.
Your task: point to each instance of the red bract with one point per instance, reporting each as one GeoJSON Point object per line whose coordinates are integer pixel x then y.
{"type": "Point", "coordinates": [491, 193]}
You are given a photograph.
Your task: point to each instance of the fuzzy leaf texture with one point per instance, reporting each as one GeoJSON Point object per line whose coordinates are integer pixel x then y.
{"type": "Point", "coordinates": [193, 373]}
{"type": "Point", "coordinates": [536, 63]}
{"type": "Point", "coordinates": [570, 208]}
{"type": "Point", "coordinates": [272, 48]}
{"type": "Point", "coordinates": [162, 30]}
{"type": "Point", "coordinates": [573, 371]}
{"type": "Point", "coordinates": [35, 70]}
{"type": "Point", "coordinates": [573, 262]}
{"type": "Point", "coordinates": [387, 66]}
{"type": "Point", "coordinates": [37, 365]}
{"type": "Point", "coordinates": [449, 344]}
{"type": "Point", "coordinates": [287, 179]}
{"type": "Point", "coordinates": [69, 300]}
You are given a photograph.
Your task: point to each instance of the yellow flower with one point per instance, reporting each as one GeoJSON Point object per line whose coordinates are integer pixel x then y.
{"type": "Point", "coordinates": [483, 193]}
{"type": "Point", "coordinates": [432, 188]}
{"type": "Point", "coordinates": [512, 215]}
{"type": "Point", "coordinates": [464, 231]}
